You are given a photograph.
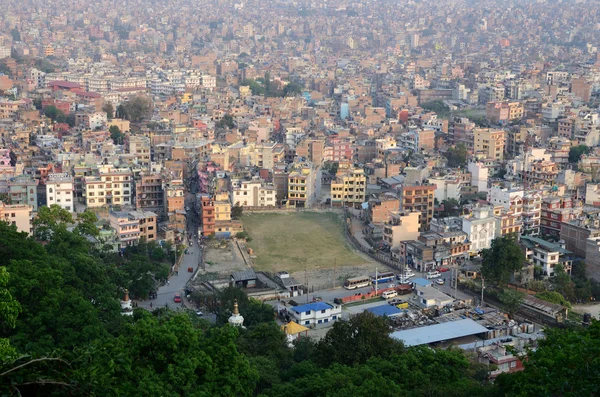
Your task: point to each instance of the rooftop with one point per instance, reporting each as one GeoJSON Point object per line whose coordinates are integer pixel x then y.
{"type": "Point", "coordinates": [439, 332]}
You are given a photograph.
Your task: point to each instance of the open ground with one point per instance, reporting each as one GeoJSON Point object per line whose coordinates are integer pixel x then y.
{"type": "Point", "coordinates": [297, 241]}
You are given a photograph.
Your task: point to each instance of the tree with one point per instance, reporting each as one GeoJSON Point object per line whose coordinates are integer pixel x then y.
{"type": "Point", "coordinates": [9, 310]}
{"type": "Point", "coordinates": [255, 312]}
{"type": "Point", "coordinates": [137, 108]}
{"type": "Point", "coordinates": [116, 135]}
{"type": "Point", "coordinates": [16, 35]}
{"type": "Point", "coordinates": [226, 121]}
{"type": "Point", "coordinates": [553, 297]}
{"type": "Point", "coordinates": [292, 89]}
{"type": "Point", "coordinates": [49, 219]}
{"type": "Point", "coordinates": [368, 336]}
{"type": "Point", "coordinates": [121, 112]}
{"type": "Point", "coordinates": [439, 107]}
{"type": "Point", "coordinates": [55, 114]}
{"type": "Point", "coordinates": [565, 363]}
{"type": "Point", "coordinates": [503, 259]}
{"type": "Point", "coordinates": [87, 224]}
{"type": "Point", "coordinates": [255, 87]}
{"type": "Point", "coordinates": [451, 207]}
{"type": "Point", "coordinates": [576, 152]}
{"type": "Point", "coordinates": [457, 156]}
{"type": "Point", "coordinates": [511, 300]}
{"type": "Point", "coordinates": [237, 211]}
{"type": "Point", "coordinates": [109, 109]}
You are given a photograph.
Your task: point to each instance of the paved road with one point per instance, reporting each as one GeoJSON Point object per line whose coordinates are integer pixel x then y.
{"type": "Point", "coordinates": [177, 282]}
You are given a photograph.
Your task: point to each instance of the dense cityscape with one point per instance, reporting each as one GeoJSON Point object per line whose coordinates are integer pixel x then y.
{"type": "Point", "coordinates": [338, 198]}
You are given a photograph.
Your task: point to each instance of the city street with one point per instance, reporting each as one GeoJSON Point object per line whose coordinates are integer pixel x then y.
{"type": "Point", "coordinates": [179, 278]}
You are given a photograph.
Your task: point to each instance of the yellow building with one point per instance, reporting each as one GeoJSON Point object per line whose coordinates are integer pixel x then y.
{"type": "Point", "coordinates": [303, 185]}
{"type": "Point", "coordinates": [349, 188]}
{"type": "Point", "coordinates": [18, 215]}
{"type": "Point", "coordinates": [489, 143]}
{"type": "Point", "coordinates": [222, 207]}
{"type": "Point", "coordinates": [187, 97]}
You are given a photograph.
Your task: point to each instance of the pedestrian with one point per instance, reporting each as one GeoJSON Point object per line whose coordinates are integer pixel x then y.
{"type": "Point", "coordinates": [150, 305]}
{"type": "Point", "coordinates": [168, 282]}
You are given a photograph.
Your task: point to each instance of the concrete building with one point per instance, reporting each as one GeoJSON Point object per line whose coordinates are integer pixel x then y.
{"type": "Point", "coordinates": [147, 224]}
{"type": "Point", "coordinates": [576, 233]}
{"type": "Point", "coordinates": [316, 313]}
{"type": "Point", "coordinates": [418, 198]}
{"type": "Point", "coordinates": [253, 193]}
{"type": "Point", "coordinates": [546, 254]}
{"type": "Point", "coordinates": [447, 187]}
{"type": "Point", "coordinates": [149, 193]}
{"type": "Point", "coordinates": [479, 175]}
{"type": "Point", "coordinates": [489, 143]}
{"type": "Point", "coordinates": [401, 226]}
{"type": "Point", "coordinates": [304, 183]}
{"type": "Point", "coordinates": [59, 190]}
{"type": "Point", "coordinates": [21, 189]}
{"type": "Point", "coordinates": [349, 188]}
{"type": "Point", "coordinates": [480, 226]}
{"type": "Point", "coordinates": [207, 206]}
{"type": "Point", "coordinates": [19, 215]}
{"type": "Point", "coordinates": [112, 186]}
{"type": "Point", "coordinates": [126, 226]}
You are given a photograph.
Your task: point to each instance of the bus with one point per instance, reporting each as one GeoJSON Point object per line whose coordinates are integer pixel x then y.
{"type": "Point", "coordinates": [383, 277]}
{"type": "Point", "coordinates": [357, 282]}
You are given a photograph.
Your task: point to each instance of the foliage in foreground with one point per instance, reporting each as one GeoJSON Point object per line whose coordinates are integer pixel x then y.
{"type": "Point", "coordinates": [62, 334]}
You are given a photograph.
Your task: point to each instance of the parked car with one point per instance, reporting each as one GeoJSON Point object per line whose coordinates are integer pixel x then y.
{"type": "Point", "coordinates": [439, 281]}
{"type": "Point", "coordinates": [177, 298]}
{"type": "Point", "coordinates": [199, 313]}
{"type": "Point", "coordinates": [443, 269]}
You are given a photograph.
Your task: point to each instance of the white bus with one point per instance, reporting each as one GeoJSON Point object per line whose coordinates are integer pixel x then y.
{"type": "Point", "coordinates": [357, 282]}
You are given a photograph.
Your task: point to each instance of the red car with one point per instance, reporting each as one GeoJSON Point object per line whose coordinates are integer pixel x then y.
{"type": "Point", "coordinates": [443, 269]}
{"type": "Point", "coordinates": [177, 298]}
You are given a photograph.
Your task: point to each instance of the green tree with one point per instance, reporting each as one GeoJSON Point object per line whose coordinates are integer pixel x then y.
{"type": "Point", "coordinates": [576, 152]}
{"type": "Point", "coordinates": [137, 108]}
{"type": "Point", "coordinates": [109, 109]}
{"type": "Point", "coordinates": [451, 207]}
{"type": "Point", "coordinates": [511, 300]}
{"type": "Point", "coordinates": [48, 220]}
{"type": "Point", "coordinates": [87, 224]}
{"type": "Point", "coordinates": [565, 363]}
{"type": "Point", "coordinates": [116, 135]}
{"type": "Point", "coordinates": [553, 297]}
{"type": "Point", "coordinates": [9, 310]}
{"type": "Point", "coordinates": [255, 87]}
{"type": "Point", "coordinates": [457, 156]}
{"type": "Point", "coordinates": [367, 334]}
{"type": "Point", "coordinates": [226, 121]}
{"type": "Point", "coordinates": [237, 211]}
{"type": "Point", "coordinates": [292, 89]}
{"type": "Point", "coordinates": [16, 35]}
{"type": "Point", "coordinates": [503, 259]}
{"type": "Point", "coordinates": [255, 312]}
{"type": "Point", "coordinates": [55, 114]}
{"type": "Point", "coordinates": [438, 107]}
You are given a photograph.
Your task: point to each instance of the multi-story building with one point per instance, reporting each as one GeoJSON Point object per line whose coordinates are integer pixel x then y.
{"type": "Point", "coordinates": [507, 221]}
{"type": "Point", "coordinates": [126, 226]}
{"type": "Point", "coordinates": [380, 209]}
{"type": "Point", "coordinates": [504, 112]}
{"type": "Point", "coordinates": [59, 190]}
{"type": "Point", "coordinates": [531, 216]}
{"type": "Point", "coordinates": [557, 210]}
{"type": "Point", "coordinates": [112, 186]}
{"type": "Point", "coordinates": [546, 254]}
{"type": "Point", "coordinates": [18, 215]}
{"type": "Point", "coordinates": [480, 226]}
{"type": "Point", "coordinates": [21, 189]}
{"type": "Point", "coordinates": [447, 187]}
{"type": "Point", "coordinates": [316, 313]}
{"type": "Point", "coordinates": [349, 188]}
{"type": "Point", "coordinates": [149, 193]}
{"type": "Point", "coordinates": [175, 196]}
{"type": "Point", "coordinates": [139, 146]}
{"type": "Point", "coordinates": [489, 143]}
{"type": "Point", "coordinates": [576, 233]}
{"type": "Point", "coordinates": [401, 226]}
{"type": "Point", "coordinates": [146, 223]}
{"type": "Point", "coordinates": [304, 183]}
{"type": "Point", "coordinates": [418, 198]}
{"type": "Point", "coordinates": [541, 172]}
{"type": "Point", "coordinates": [207, 206]}
{"type": "Point", "coordinates": [253, 193]}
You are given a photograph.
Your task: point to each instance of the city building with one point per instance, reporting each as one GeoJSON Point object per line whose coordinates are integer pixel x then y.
{"type": "Point", "coordinates": [418, 198]}
{"type": "Point", "coordinates": [59, 191]}
{"type": "Point", "coordinates": [401, 226]}
{"type": "Point", "coordinates": [147, 224]}
{"type": "Point", "coordinates": [349, 188]}
{"type": "Point", "coordinates": [149, 193]}
{"type": "Point", "coordinates": [112, 186]}
{"type": "Point", "coordinates": [480, 227]}
{"type": "Point", "coordinates": [316, 313]}
{"type": "Point", "coordinates": [547, 255]}
{"type": "Point", "coordinates": [253, 193]}
{"type": "Point", "coordinates": [18, 215]}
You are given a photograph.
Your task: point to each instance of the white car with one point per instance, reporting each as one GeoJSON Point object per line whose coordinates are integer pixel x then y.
{"type": "Point", "coordinates": [439, 281]}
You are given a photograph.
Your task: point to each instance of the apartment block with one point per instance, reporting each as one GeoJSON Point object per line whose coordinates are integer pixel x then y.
{"type": "Point", "coordinates": [139, 146]}
{"type": "Point", "coordinates": [480, 227]}
{"type": "Point", "coordinates": [149, 193]}
{"type": "Point", "coordinates": [546, 254]}
{"type": "Point", "coordinates": [418, 198]}
{"type": "Point", "coordinates": [112, 186]}
{"type": "Point", "coordinates": [253, 193]}
{"type": "Point", "coordinates": [349, 188]}
{"type": "Point", "coordinates": [557, 210]}
{"type": "Point", "coordinates": [147, 224]}
{"type": "Point", "coordinates": [304, 184]}
{"type": "Point", "coordinates": [489, 143]}
{"type": "Point", "coordinates": [126, 226]}
{"type": "Point", "coordinates": [207, 206]}
{"type": "Point", "coordinates": [59, 190]}
{"type": "Point", "coordinates": [21, 189]}
{"type": "Point", "coordinates": [19, 215]}
{"type": "Point", "coordinates": [401, 226]}
{"type": "Point", "coordinates": [175, 196]}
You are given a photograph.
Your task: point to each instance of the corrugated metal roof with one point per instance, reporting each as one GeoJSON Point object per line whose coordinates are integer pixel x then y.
{"type": "Point", "coordinates": [243, 275]}
{"type": "Point", "coordinates": [385, 310]}
{"type": "Point", "coordinates": [439, 332]}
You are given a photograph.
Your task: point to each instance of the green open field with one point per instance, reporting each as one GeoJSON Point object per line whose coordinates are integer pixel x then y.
{"type": "Point", "coordinates": [291, 241]}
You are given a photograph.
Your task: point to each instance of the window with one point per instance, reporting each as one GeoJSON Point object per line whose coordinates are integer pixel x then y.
{"type": "Point", "coordinates": [326, 320]}
{"type": "Point", "coordinates": [334, 317]}
{"type": "Point", "coordinates": [322, 311]}
{"type": "Point", "coordinates": [307, 312]}
{"type": "Point", "coordinates": [306, 322]}
{"type": "Point", "coordinates": [50, 190]}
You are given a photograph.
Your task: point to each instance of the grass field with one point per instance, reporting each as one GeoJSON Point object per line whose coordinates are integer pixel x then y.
{"type": "Point", "coordinates": [291, 241]}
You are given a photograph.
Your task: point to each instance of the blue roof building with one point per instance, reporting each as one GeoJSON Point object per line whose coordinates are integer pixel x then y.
{"type": "Point", "coordinates": [316, 313]}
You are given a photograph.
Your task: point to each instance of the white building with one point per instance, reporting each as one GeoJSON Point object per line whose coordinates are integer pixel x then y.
{"type": "Point", "coordinates": [316, 313]}
{"type": "Point", "coordinates": [479, 175]}
{"type": "Point", "coordinates": [253, 193]}
{"type": "Point", "coordinates": [503, 196]}
{"type": "Point", "coordinates": [59, 190]}
{"type": "Point", "coordinates": [209, 81]}
{"type": "Point", "coordinates": [480, 226]}
{"type": "Point", "coordinates": [447, 187]}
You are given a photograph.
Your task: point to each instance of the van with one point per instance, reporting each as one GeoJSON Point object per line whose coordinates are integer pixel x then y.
{"type": "Point", "coordinates": [389, 294]}
{"type": "Point", "coordinates": [434, 274]}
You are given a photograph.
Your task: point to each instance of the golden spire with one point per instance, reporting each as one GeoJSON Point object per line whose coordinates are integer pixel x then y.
{"type": "Point", "coordinates": [236, 310]}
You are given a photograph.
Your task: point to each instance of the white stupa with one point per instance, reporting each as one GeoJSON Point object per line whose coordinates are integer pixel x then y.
{"type": "Point", "coordinates": [126, 308]}
{"type": "Point", "coordinates": [236, 318]}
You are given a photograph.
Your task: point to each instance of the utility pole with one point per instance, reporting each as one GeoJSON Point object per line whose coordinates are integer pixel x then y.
{"type": "Point", "coordinates": [306, 279]}
{"type": "Point", "coordinates": [482, 287]}
{"type": "Point", "coordinates": [376, 281]}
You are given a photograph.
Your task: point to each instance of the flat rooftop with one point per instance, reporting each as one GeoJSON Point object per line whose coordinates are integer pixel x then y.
{"type": "Point", "coordinates": [439, 332]}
